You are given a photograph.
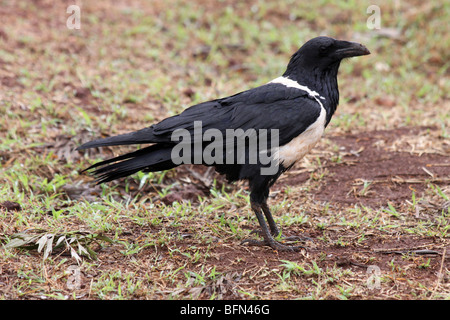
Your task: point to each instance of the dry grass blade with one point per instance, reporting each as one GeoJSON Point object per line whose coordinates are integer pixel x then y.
{"type": "Point", "coordinates": [77, 242]}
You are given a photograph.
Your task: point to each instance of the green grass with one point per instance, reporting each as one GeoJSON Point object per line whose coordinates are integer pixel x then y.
{"type": "Point", "coordinates": [134, 64]}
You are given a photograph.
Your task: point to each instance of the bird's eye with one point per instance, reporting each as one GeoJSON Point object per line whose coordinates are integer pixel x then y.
{"type": "Point", "coordinates": [323, 49]}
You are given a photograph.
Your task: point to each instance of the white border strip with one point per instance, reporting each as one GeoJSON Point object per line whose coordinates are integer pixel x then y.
{"type": "Point", "coordinates": [294, 84]}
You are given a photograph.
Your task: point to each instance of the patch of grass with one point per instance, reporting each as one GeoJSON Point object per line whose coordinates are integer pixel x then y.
{"type": "Point", "coordinates": [133, 64]}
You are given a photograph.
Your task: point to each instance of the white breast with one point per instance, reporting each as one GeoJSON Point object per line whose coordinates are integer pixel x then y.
{"type": "Point", "coordinates": [302, 144]}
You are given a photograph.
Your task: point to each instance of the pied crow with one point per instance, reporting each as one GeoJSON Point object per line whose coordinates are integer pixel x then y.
{"type": "Point", "coordinates": [292, 110]}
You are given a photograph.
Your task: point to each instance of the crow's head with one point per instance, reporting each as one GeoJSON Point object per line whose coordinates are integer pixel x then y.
{"type": "Point", "coordinates": [323, 54]}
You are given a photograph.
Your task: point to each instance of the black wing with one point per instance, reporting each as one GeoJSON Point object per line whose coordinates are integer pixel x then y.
{"type": "Point", "coordinates": [272, 106]}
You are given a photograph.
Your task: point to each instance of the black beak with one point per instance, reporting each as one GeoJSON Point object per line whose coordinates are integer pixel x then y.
{"type": "Point", "coordinates": [349, 49]}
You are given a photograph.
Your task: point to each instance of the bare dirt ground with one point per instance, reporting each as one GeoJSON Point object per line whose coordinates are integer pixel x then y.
{"type": "Point", "coordinates": [389, 160]}
{"type": "Point", "coordinates": [372, 197]}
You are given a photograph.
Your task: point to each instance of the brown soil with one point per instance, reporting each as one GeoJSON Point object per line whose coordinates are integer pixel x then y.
{"type": "Point", "coordinates": [371, 157]}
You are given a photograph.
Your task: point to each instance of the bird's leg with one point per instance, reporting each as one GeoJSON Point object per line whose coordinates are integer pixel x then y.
{"type": "Point", "coordinates": [274, 229]}
{"type": "Point", "coordinates": [272, 225]}
{"type": "Point", "coordinates": [266, 233]}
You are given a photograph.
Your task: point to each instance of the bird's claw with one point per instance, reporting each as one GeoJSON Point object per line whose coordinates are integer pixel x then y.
{"type": "Point", "coordinates": [296, 238]}
{"type": "Point", "coordinates": [273, 244]}
{"type": "Point", "coordinates": [282, 237]}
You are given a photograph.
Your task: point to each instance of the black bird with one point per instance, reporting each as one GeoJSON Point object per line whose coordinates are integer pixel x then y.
{"type": "Point", "coordinates": [294, 108]}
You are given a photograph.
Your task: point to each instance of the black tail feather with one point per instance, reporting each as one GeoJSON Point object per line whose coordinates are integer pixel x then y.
{"type": "Point", "coordinates": [153, 158]}
{"type": "Point", "coordinates": [133, 154]}
{"type": "Point", "coordinates": [137, 137]}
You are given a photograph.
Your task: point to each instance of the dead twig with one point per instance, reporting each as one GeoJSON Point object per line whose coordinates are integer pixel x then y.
{"type": "Point", "coordinates": [440, 274]}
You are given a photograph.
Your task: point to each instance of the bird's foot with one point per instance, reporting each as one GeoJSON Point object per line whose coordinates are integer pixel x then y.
{"type": "Point", "coordinates": [296, 238]}
{"type": "Point", "coordinates": [273, 244]}
{"type": "Point", "coordinates": [276, 234]}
